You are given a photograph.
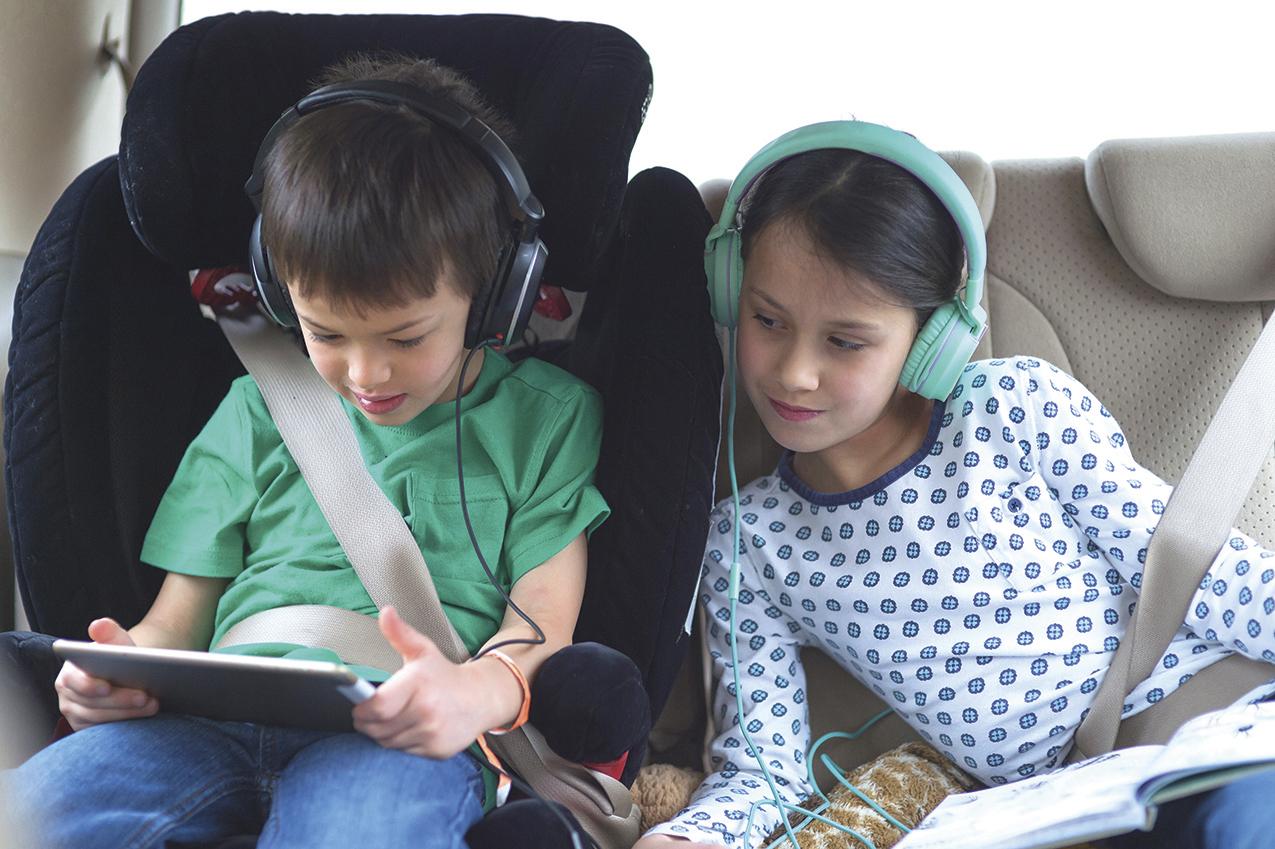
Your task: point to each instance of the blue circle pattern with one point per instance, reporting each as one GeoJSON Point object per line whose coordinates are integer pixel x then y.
{"type": "Point", "coordinates": [1022, 581]}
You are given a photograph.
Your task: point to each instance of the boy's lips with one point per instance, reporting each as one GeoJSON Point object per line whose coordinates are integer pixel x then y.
{"type": "Point", "coordinates": [379, 404]}
{"type": "Point", "coordinates": [791, 413]}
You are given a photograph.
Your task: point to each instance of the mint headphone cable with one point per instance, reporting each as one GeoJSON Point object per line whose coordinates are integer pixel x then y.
{"type": "Point", "coordinates": [734, 600]}
{"type": "Point", "coordinates": [841, 779]}
{"type": "Point", "coordinates": [938, 355]}
{"type": "Point", "coordinates": [733, 592]}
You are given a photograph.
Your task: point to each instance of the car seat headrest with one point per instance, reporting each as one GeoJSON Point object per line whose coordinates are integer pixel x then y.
{"type": "Point", "coordinates": [1193, 217]}
{"type": "Point", "coordinates": [201, 104]}
{"type": "Point", "coordinates": [978, 177]}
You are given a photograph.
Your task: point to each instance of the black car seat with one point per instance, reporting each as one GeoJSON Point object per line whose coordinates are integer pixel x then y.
{"type": "Point", "coordinates": [113, 370]}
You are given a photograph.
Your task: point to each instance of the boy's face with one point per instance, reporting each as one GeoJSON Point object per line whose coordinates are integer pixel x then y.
{"type": "Point", "coordinates": [390, 363]}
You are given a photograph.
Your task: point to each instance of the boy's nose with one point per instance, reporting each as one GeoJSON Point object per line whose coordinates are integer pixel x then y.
{"type": "Point", "coordinates": [367, 372]}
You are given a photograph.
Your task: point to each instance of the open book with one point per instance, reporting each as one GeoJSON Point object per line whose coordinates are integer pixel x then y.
{"type": "Point", "coordinates": [1110, 794]}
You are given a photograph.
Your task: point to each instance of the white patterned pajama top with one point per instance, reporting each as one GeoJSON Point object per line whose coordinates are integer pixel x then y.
{"type": "Point", "coordinates": [980, 588]}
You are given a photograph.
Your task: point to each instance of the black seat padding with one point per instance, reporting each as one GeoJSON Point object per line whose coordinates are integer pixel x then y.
{"type": "Point", "coordinates": [113, 370]}
{"type": "Point", "coordinates": [576, 94]}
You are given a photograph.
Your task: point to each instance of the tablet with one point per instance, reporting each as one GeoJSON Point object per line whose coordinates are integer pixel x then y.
{"type": "Point", "coordinates": [270, 691]}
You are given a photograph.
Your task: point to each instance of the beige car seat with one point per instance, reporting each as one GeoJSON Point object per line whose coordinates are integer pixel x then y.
{"type": "Point", "coordinates": [1147, 271]}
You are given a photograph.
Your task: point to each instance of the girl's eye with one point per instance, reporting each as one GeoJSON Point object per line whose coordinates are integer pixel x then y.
{"type": "Point", "coordinates": [845, 344]}
{"type": "Point", "coordinates": [408, 343]}
{"type": "Point", "coordinates": [764, 321]}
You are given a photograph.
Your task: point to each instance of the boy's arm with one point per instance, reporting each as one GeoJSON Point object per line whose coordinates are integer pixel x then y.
{"type": "Point", "coordinates": [180, 618]}
{"type": "Point", "coordinates": [182, 615]}
{"type": "Point", "coordinates": [435, 708]}
{"type": "Point", "coordinates": [550, 595]}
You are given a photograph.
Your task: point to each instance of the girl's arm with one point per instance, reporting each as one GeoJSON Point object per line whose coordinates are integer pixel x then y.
{"type": "Point", "coordinates": [1084, 457]}
{"type": "Point", "coordinates": [773, 682]}
{"type": "Point", "coordinates": [180, 618]}
{"type": "Point", "coordinates": [435, 708]}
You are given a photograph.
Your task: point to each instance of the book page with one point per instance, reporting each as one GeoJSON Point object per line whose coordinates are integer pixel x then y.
{"type": "Point", "coordinates": [1090, 799]}
{"type": "Point", "coordinates": [1210, 747]}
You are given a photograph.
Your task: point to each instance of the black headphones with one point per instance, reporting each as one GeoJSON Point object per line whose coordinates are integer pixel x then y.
{"type": "Point", "coordinates": [501, 310]}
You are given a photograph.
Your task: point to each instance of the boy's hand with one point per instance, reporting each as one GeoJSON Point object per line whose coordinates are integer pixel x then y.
{"type": "Point", "coordinates": [431, 706]}
{"type": "Point", "coordinates": [85, 700]}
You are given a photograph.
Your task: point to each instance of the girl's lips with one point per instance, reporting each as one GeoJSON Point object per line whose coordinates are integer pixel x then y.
{"type": "Point", "coordinates": [379, 404]}
{"type": "Point", "coordinates": [792, 414]}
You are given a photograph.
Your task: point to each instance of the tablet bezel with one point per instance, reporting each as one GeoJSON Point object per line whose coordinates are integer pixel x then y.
{"type": "Point", "coordinates": [270, 691]}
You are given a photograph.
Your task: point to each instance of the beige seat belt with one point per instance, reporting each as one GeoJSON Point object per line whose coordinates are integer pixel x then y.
{"type": "Point", "coordinates": [390, 564]}
{"type": "Point", "coordinates": [1196, 524]}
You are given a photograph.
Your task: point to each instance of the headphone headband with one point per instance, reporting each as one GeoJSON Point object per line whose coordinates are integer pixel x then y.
{"type": "Point", "coordinates": [490, 148]}
{"type": "Point", "coordinates": [501, 311]}
{"type": "Point", "coordinates": [948, 340]}
{"type": "Point", "coordinates": [892, 145]}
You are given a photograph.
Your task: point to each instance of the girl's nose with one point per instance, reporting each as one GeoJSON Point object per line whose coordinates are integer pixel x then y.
{"type": "Point", "coordinates": [798, 370]}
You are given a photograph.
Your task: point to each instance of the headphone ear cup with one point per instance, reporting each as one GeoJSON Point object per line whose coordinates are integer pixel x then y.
{"type": "Point", "coordinates": [501, 311]}
{"type": "Point", "coordinates": [477, 324]}
{"type": "Point", "coordinates": [941, 351]}
{"type": "Point", "coordinates": [517, 297]}
{"type": "Point", "coordinates": [270, 294]}
{"type": "Point", "coordinates": [724, 265]}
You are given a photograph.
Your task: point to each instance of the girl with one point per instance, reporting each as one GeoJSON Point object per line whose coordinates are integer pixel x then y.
{"type": "Point", "coordinates": [972, 556]}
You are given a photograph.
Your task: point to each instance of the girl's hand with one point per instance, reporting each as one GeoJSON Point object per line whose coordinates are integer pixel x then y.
{"type": "Point", "coordinates": [665, 841]}
{"type": "Point", "coordinates": [430, 707]}
{"type": "Point", "coordinates": [85, 700]}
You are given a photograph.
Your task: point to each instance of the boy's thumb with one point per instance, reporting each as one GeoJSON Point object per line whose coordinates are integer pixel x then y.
{"type": "Point", "coordinates": [109, 631]}
{"type": "Point", "coordinates": [403, 638]}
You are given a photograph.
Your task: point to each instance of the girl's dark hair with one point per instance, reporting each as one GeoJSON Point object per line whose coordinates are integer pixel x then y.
{"type": "Point", "coordinates": [865, 214]}
{"type": "Point", "coordinates": [368, 204]}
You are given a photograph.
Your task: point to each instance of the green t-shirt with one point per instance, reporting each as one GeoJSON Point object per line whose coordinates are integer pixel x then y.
{"type": "Point", "coordinates": [238, 507]}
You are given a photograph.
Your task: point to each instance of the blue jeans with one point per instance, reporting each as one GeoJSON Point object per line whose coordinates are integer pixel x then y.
{"type": "Point", "coordinates": [184, 779]}
{"type": "Point", "coordinates": [1237, 816]}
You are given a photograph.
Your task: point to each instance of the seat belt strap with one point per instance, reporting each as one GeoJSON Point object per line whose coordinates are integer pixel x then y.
{"type": "Point", "coordinates": [1195, 525]}
{"type": "Point", "coordinates": [355, 638]}
{"type": "Point", "coordinates": [321, 440]}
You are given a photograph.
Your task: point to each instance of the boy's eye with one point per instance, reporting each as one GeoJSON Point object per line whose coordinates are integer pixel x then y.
{"type": "Point", "coordinates": [845, 344]}
{"type": "Point", "coordinates": [326, 340]}
{"type": "Point", "coordinates": [765, 321]}
{"type": "Point", "coordinates": [408, 343]}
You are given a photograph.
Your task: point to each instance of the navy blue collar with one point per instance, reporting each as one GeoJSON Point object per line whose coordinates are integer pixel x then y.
{"type": "Point", "coordinates": [830, 499]}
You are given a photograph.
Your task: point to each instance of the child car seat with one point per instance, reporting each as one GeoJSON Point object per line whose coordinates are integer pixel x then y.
{"type": "Point", "coordinates": [113, 370]}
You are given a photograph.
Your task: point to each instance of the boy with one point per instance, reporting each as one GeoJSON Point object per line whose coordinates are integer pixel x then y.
{"type": "Point", "coordinates": [384, 227]}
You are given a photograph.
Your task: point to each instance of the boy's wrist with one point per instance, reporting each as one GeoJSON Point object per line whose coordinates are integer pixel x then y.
{"type": "Point", "coordinates": [500, 692]}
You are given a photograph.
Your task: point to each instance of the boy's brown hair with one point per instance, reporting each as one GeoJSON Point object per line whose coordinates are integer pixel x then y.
{"type": "Point", "coordinates": [369, 205]}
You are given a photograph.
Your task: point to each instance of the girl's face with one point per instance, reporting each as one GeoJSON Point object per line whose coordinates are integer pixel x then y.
{"type": "Point", "coordinates": [820, 351]}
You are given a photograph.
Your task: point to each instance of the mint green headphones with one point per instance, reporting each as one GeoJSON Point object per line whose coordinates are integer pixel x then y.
{"type": "Point", "coordinates": [948, 339]}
